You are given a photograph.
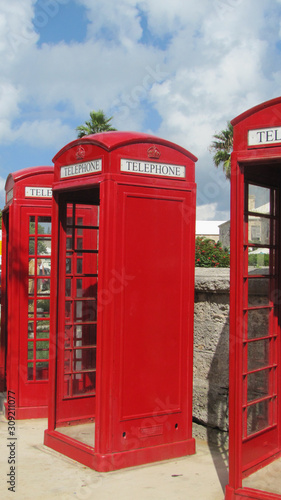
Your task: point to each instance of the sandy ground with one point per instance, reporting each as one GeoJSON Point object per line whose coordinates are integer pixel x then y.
{"type": "Point", "coordinates": [42, 473]}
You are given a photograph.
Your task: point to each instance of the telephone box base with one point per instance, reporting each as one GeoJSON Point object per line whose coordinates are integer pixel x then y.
{"type": "Point", "coordinates": [24, 413]}
{"type": "Point", "coordinates": [115, 461]}
{"type": "Point", "coordinates": [249, 494]}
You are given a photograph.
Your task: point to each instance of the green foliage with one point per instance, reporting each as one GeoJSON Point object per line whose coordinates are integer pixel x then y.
{"type": "Point", "coordinates": [210, 254]}
{"type": "Point", "coordinates": [258, 260]}
{"type": "Point", "coordinates": [98, 123]}
{"type": "Point", "coordinates": [222, 147]}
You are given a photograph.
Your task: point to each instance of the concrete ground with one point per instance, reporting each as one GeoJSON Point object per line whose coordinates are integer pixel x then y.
{"type": "Point", "coordinates": [42, 473]}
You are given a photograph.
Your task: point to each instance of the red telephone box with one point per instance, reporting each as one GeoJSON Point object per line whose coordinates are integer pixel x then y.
{"type": "Point", "coordinates": [122, 301]}
{"type": "Point", "coordinates": [255, 314]}
{"type": "Point", "coordinates": [26, 266]}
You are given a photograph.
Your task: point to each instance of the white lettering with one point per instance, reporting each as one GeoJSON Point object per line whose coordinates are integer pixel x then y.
{"type": "Point", "coordinates": [162, 169]}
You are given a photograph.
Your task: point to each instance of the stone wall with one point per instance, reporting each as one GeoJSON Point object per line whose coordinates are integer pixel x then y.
{"type": "Point", "coordinates": [211, 330]}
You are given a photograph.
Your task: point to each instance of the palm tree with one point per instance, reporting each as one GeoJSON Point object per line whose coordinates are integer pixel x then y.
{"type": "Point", "coordinates": [98, 123]}
{"type": "Point", "coordinates": [222, 148]}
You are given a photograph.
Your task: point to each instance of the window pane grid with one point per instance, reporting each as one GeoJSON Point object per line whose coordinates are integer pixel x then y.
{"type": "Point", "coordinates": [39, 268]}
{"type": "Point", "coordinates": [80, 306]}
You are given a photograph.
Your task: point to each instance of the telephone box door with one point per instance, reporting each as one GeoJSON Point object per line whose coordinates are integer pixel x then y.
{"type": "Point", "coordinates": [77, 311]}
{"type": "Point", "coordinates": [35, 306]}
{"type": "Point", "coordinates": [261, 324]}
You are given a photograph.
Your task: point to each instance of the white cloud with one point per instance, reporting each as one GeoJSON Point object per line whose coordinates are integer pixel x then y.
{"type": "Point", "coordinates": [211, 61]}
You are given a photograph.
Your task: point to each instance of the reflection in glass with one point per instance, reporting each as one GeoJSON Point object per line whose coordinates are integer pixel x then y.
{"type": "Point", "coordinates": [44, 246]}
{"type": "Point", "coordinates": [258, 323]}
{"type": "Point", "coordinates": [32, 224]}
{"type": "Point", "coordinates": [258, 385]}
{"type": "Point", "coordinates": [257, 417]}
{"type": "Point", "coordinates": [258, 261]}
{"type": "Point", "coordinates": [68, 287]}
{"type": "Point", "coordinates": [258, 354]}
{"type": "Point", "coordinates": [31, 246]}
{"type": "Point", "coordinates": [42, 350]}
{"type": "Point", "coordinates": [29, 350]}
{"type": "Point", "coordinates": [44, 225]}
{"type": "Point", "coordinates": [259, 199]}
{"type": "Point", "coordinates": [43, 286]}
{"type": "Point", "coordinates": [29, 371]}
{"type": "Point", "coordinates": [31, 287]}
{"type": "Point", "coordinates": [43, 308]}
{"type": "Point", "coordinates": [30, 308]}
{"type": "Point", "coordinates": [31, 329]}
{"type": "Point", "coordinates": [42, 369]}
{"type": "Point", "coordinates": [43, 329]}
{"type": "Point", "coordinates": [258, 230]}
{"type": "Point", "coordinates": [258, 292]}
{"type": "Point", "coordinates": [68, 265]}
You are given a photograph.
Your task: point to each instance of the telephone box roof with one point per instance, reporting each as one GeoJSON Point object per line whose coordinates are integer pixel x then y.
{"type": "Point", "coordinates": [27, 172]}
{"type": "Point", "coordinates": [255, 109]}
{"type": "Point", "coordinates": [112, 140]}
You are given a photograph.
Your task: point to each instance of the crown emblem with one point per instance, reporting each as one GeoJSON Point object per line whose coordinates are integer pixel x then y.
{"type": "Point", "coordinates": [80, 153]}
{"type": "Point", "coordinates": [153, 152]}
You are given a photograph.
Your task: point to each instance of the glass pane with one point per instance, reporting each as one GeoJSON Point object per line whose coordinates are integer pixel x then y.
{"type": "Point", "coordinates": [86, 310]}
{"type": "Point", "coordinates": [259, 199]}
{"type": "Point", "coordinates": [31, 287]}
{"type": "Point", "coordinates": [67, 385]}
{"type": "Point", "coordinates": [68, 265]}
{"type": "Point", "coordinates": [67, 361]}
{"type": "Point", "coordinates": [43, 329]}
{"type": "Point", "coordinates": [67, 336]}
{"type": "Point", "coordinates": [258, 292]}
{"type": "Point", "coordinates": [258, 261]}
{"type": "Point", "coordinates": [31, 246]}
{"type": "Point", "coordinates": [43, 286]}
{"type": "Point", "coordinates": [68, 311]}
{"type": "Point", "coordinates": [83, 383]}
{"type": "Point", "coordinates": [79, 266]}
{"type": "Point", "coordinates": [68, 243]}
{"type": "Point", "coordinates": [44, 225]}
{"type": "Point", "coordinates": [258, 354]}
{"type": "Point", "coordinates": [84, 335]}
{"type": "Point", "coordinates": [44, 246]}
{"type": "Point", "coordinates": [258, 323]}
{"type": "Point", "coordinates": [258, 230]}
{"type": "Point", "coordinates": [44, 267]}
{"type": "Point", "coordinates": [42, 369]}
{"type": "Point", "coordinates": [86, 288]}
{"type": "Point", "coordinates": [29, 371]}
{"type": "Point", "coordinates": [31, 308]}
{"type": "Point", "coordinates": [79, 243]}
{"type": "Point", "coordinates": [43, 308]}
{"type": "Point", "coordinates": [31, 329]}
{"type": "Point", "coordinates": [31, 267]}
{"type": "Point", "coordinates": [32, 224]}
{"type": "Point", "coordinates": [257, 417]}
{"type": "Point", "coordinates": [29, 350]}
{"type": "Point", "coordinates": [258, 385]}
{"type": "Point", "coordinates": [89, 359]}
{"type": "Point", "coordinates": [42, 350]}
{"type": "Point", "coordinates": [68, 287]}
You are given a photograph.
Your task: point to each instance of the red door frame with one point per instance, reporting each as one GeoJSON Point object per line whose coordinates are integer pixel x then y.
{"type": "Point", "coordinates": [257, 163]}
{"type": "Point", "coordinates": [15, 286]}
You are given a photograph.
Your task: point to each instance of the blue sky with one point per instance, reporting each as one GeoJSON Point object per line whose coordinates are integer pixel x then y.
{"type": "Point", "coordinates": [179, 70]}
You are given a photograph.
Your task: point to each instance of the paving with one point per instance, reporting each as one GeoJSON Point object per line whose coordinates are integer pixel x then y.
{"type": "Point", "coordinates": [42, 473]}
